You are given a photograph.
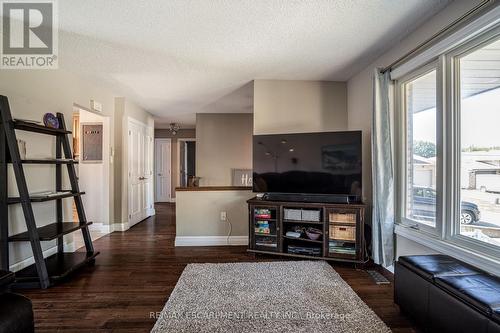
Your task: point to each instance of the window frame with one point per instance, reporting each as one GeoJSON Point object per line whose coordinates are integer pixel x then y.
{"type": "Point", "coordinates": [445, 236]}
{"type": "Point", "coordinates": [402, 145]}
{"type": "Point", "coordinates": [452, 66]}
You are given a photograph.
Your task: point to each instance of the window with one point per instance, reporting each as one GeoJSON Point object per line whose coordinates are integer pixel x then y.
{"type": "Point", "coordinates": [420, 106]}
{"type": "Point", "coordinates": [479, 137]}
{"type": "Point", "coordinates": [448, 155]}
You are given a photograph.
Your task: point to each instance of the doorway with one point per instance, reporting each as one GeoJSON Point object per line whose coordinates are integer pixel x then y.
{"type": "Point", "coordinates": [187, 161]}
{"type": "Point", "coordinates": [140, 172]}
{"type": "Point", "coordinates": [163, 184]}
{"type": "Point", "coordinates": [91, 148]}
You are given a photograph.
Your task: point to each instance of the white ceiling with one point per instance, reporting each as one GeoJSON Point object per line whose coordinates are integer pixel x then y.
{"type": "Point", "coordinates": [176, 58]}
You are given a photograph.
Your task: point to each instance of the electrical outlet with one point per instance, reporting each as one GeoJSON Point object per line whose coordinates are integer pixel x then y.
{"type": "Point", "coordinates": [223, 216]}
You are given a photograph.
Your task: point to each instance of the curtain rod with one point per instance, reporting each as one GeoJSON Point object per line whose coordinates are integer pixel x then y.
{"type": "Point", "coordinates": [471, 13]}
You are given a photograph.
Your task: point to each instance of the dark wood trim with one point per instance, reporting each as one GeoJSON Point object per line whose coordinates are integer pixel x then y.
{"type": "Point", "coordinates": [213, 188]}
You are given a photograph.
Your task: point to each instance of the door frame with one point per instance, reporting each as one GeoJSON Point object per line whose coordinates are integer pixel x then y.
{"type": "Point", "coordinates": [149, 130]}
{"type": "Point", "coordinates": [179, 140]}
{"type": "Point", "coordinates": [105, 121]}
{"type": "Point", "coordinates": [169, 173]}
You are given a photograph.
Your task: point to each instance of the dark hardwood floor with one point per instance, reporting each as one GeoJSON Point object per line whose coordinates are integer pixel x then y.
{"type": "Point", "coordinates": [138, 269]}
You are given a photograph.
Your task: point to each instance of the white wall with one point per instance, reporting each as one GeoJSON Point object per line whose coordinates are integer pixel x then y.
{"type": "Point", "coordinates": [93, 177]}
{"type": "Point", "coordinates": [299, 106]}
{"type": "Point", "coordinates": [223, 143]}
{"type": "Point", "coordinates": [124, 109]}
{"type": "Point", "coordinates": [360, 97]}
{"type": "Point", "coordinates": [31, 94]}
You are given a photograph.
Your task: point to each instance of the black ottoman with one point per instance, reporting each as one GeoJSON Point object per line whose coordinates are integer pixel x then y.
{"type": "Point", "coordinates": [413, 278]}
{"type": "Point", "coordinates": [474, 299]}
{"type": "Point", "coordinates": [16, 311]}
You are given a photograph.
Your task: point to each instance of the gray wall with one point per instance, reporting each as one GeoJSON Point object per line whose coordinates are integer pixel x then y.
{"type": "Point", "coordinates": [299, 106]}
{"type": "Point", "coordinates": [223, 143]}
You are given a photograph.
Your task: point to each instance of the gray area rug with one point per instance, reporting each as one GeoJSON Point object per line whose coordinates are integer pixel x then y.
{"type": "Point", "coordinates": [292, 296]}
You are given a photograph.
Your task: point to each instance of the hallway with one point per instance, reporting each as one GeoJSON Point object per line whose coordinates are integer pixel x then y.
{"type": "Point", "coordinates": [138, 269]}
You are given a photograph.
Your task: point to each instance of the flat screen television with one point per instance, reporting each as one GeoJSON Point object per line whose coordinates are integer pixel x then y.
{"type": "Point", "coordinates": [308, 163]}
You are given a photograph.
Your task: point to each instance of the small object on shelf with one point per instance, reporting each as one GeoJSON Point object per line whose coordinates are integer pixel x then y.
{"type": "Point", "coordinates": [293, 234]}
{"type": "Point", "coordinates": [313, 233]}
{"type": "Point", "coordinates": [30, 121]}
{"type": "Point", "coordinates": [21, 144]}
{"type": "Point", "coordinates": [266, 244]}
{"type": "Point", "coordinates": [262, 213]}
{"type": "Point", "coordinates": [266, 241]}
{"type": "Point", "coordinates": [262, 228]}
{"type": "Point", "coordinates": [311, 215]}
{"type": "Point", "coordinates": [308, 251]}
{"type": "Point", "coordinates": [50, 120]}
{"type": "Point", "coordinates": [292, 214]}
{"type": "Point", "coordinates": [342, 247]}
{"type": "Point", "coordinates": [47, 194]}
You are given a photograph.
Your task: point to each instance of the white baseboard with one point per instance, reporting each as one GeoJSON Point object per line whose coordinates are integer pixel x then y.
{"type": "Point", "coordinates": [68, 247]}
{"type": "Point", "coordinates": [102, 228]}
{"type": "Point", "coordinates": [151, 212]}
{"type": "Point", "coordinates": [121, 226]}
{"type": "Point", "coordinates": [210, 240]}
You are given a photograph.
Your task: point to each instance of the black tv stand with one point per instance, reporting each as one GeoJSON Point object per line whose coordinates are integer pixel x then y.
{"type": "Point", "coordinates": [314, 198]}
{"type": "Point", "coordinates": [341, 229]}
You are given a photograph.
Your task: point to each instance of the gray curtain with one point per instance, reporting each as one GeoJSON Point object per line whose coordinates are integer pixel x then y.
{"type": "Point", "coordinates": [382, 170]}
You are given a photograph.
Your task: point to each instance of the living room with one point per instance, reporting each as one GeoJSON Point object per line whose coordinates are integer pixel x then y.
{"type": "Point", "coordinates": [250, 166]}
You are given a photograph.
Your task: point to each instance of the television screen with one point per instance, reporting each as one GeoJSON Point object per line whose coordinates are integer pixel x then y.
{"type": "Point", "coordinates": [309, 163]}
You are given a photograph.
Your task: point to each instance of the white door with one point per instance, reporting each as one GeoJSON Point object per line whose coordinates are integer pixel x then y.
{"type": "Point", "coordinates": [136, 167]}
{"type": "Point", "coordinates": [148, 181]}
{"type": "Point", "coordinates": [162, 167]}
{"type": "Point", "coordinates": [140, 167]}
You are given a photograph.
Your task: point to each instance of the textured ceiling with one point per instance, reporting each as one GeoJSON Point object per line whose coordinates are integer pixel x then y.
{"type": "Point", "coordinates": [176, 58]}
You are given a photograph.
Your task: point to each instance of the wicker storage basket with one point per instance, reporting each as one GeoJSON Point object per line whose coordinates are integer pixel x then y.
{"type": "Point", "coordinates": [345, 233]}
{"type": "Point", "coordinates": [342, 217]}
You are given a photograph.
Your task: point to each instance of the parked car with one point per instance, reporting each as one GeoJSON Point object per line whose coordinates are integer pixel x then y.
{"type": "Point", "coordinates": [424, 206]}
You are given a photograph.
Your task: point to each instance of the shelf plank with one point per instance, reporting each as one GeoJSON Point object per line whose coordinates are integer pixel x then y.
{"type": "Point", "coordinates": [67, 194]}
{"type": "Point", "coordinates": [49, 161]}
{"type": "Point", "coordinates": [304, 239]}
{"type": "Point", "coordinates": [59, 266]}
{"type": "Point", "coordinates": [30, 127]}
{"type": "Point", "coordinates": [264, 235]}
{"type": "Point", "coordinates": [305, 222]}
{"type": "Point", "coordinates": [50, 231]}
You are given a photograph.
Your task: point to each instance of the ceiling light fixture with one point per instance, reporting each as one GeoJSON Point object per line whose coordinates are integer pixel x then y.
{"type": "Point", "coordinates": [174, 128]}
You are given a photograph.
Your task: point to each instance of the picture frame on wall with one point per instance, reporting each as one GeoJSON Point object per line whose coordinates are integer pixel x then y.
{"type": "Point", "coordinates": [91, 143]}
{"type": "Point", "coordinates": [242, 177]}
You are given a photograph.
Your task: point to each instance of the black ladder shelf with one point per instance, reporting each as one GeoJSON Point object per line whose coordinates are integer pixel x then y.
{"type": "Point", "coordinates": [45, 272]}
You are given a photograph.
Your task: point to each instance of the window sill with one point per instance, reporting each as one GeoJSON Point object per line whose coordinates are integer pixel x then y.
{"type": "Point", "coordinates": [449, 248]}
